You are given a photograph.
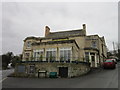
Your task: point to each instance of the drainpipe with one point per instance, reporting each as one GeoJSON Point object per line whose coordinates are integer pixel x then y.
{"type": "Point", "coordinates": [58, 57]}
{"type": "Point", "coordinates": [71, 59]}
{"type": "Point", "coordinates": [44, 57]}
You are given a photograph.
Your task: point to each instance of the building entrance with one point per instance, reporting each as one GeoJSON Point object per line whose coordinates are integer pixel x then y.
{"type": "Point", "coordinates": [63, 72]}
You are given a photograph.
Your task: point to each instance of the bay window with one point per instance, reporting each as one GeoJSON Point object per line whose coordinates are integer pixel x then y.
{"type": "Point", "coordinates": [65, 54]}
{"type": "Point", "coordinates": [38, 55]}
{"type": "Point", "coordinates": [87, 56]}
{"type": "Point", "coordinates": [51, 54]}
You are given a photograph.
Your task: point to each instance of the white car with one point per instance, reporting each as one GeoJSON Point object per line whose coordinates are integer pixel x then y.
{"type": "Point", "coordinates": [9, 65]}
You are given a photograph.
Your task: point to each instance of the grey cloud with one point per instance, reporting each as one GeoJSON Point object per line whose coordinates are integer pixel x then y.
{"type": "Point", "coordinates": [28, 19]}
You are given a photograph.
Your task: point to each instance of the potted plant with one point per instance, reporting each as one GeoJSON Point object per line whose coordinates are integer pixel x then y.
{"type": "Point", "coordinates": [61, 59]}
{"type": "Point", "coordinates": [68, 61]}
{"type": "Point", "coordinates": [41, 58]}
{"type": "Point", "coordinates": [51, 58]}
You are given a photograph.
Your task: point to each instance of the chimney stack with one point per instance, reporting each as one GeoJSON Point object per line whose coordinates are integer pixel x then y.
{"type": "Point", "coordinates": [47, 30]}
{"type": "Point", "coordinates": [84, 26]}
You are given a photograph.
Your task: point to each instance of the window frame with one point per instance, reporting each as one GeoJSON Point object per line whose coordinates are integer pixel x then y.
{"type": "Point", "coordinates": [37, 55]}
{"type": "Point", "coordinates": [51, 54]}
{"type": "Point", "coordinates": [28, 44]}
{"type": "Point", "coordinates": [65, 50]}
{"type": "Point", "coordinates": [94, 44]}
{"type": "Point", "coordinates": [87, 57]}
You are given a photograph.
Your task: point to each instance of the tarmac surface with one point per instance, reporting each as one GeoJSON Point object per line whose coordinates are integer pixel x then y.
{"type": "Point", "coordinates": [97, 78]}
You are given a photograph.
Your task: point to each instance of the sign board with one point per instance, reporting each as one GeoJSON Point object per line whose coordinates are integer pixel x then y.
{"type": "Point", "coordinates": [21, 68]}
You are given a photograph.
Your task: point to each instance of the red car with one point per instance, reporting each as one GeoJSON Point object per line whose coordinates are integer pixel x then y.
{"type": "Point", "coordinates": [109, 64]}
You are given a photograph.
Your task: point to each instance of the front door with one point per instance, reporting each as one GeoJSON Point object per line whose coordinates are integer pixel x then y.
{"type": "Point", "coordinates": [93, 60]}
{"type": "Point", "coordinates": [63, 72]}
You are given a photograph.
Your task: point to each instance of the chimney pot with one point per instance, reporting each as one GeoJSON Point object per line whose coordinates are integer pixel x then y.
{"type": "Point", "coordinates": [47, 30]}
{"type": "Point", "coordinates": [84, 26]}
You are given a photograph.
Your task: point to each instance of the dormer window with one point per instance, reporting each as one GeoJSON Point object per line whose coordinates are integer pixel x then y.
{"type": "Point", "coordinates": [28, 44]}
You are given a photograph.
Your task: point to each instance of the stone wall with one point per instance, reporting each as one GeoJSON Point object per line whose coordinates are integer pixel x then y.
{"type": "Point", "coordinates": [74, 69]}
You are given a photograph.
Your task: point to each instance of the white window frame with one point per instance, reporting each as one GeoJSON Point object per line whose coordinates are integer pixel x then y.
{"type": "Point", "coordinates": [87, 55]}
{"type": "Point", "coordinates": [51, 49]}
{"type": "Point", "coordinates": [36, 58]}
{"type": "Point", "coordinates": [28, 45]}
{"type": "Point", "coordinates": [94, 44]}
{"type": "Point", "coordinates": [66, 48]}
{"type": "Point", "coordinates": [27, 56]}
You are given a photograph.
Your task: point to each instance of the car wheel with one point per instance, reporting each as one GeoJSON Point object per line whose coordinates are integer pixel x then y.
{"type": "Point", "coordinates": [104, 68]}
{"type": "Point", "coordinates": [114, 67]}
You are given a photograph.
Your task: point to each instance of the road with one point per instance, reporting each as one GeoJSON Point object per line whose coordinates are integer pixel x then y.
{"type": "Point", "coordinates": [4, 74]}
{"type": "Point", "coordinates": [96, 79]}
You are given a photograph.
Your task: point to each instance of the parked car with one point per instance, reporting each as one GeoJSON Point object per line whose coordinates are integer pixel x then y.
{"type": "Point", "coordinates": [113, 60]}
{"type": "Point", "coordinates": [118, 60]}
{"type": "Point", "coordinates": [109, 64]}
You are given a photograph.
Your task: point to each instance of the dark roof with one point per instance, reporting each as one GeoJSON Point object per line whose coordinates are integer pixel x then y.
{"type": "Point", "coordinates": [32, 37]}
{"type": "Point", "coordinates": [61, 34]}
{"type": "Point", "coordinates": [91, 48]}
{"type": "Point", "coordinates": [79, 32]}
{"type": "Point", "coordinates": [55, 42]}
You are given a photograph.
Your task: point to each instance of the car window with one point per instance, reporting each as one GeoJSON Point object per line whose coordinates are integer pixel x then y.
{"type": "Point", "coordinates": [109, 61]}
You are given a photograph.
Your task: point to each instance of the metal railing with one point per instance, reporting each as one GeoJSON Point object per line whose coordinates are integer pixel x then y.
{"type": "Point", "coordinates": [51, 58]}
{"type": "Point", "coordinates": [75, 60]}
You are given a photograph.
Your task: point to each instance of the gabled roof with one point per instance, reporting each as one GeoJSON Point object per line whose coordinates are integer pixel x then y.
{"type": "Point", "coordinates": [79, 32]}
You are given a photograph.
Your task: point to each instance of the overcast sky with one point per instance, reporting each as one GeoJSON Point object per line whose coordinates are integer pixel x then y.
{"type": "Point", "coordinates": [23, 19]}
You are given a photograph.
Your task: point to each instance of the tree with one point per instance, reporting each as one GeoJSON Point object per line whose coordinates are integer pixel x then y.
{"type": "Point", "coordinates": [15, 60]}
{"type": "Point", "coordinates": [109, 54]}
{"type": "Point", "coordinates": [6, 59]}
{"type": "Point", "coordinates": [118, 51]}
